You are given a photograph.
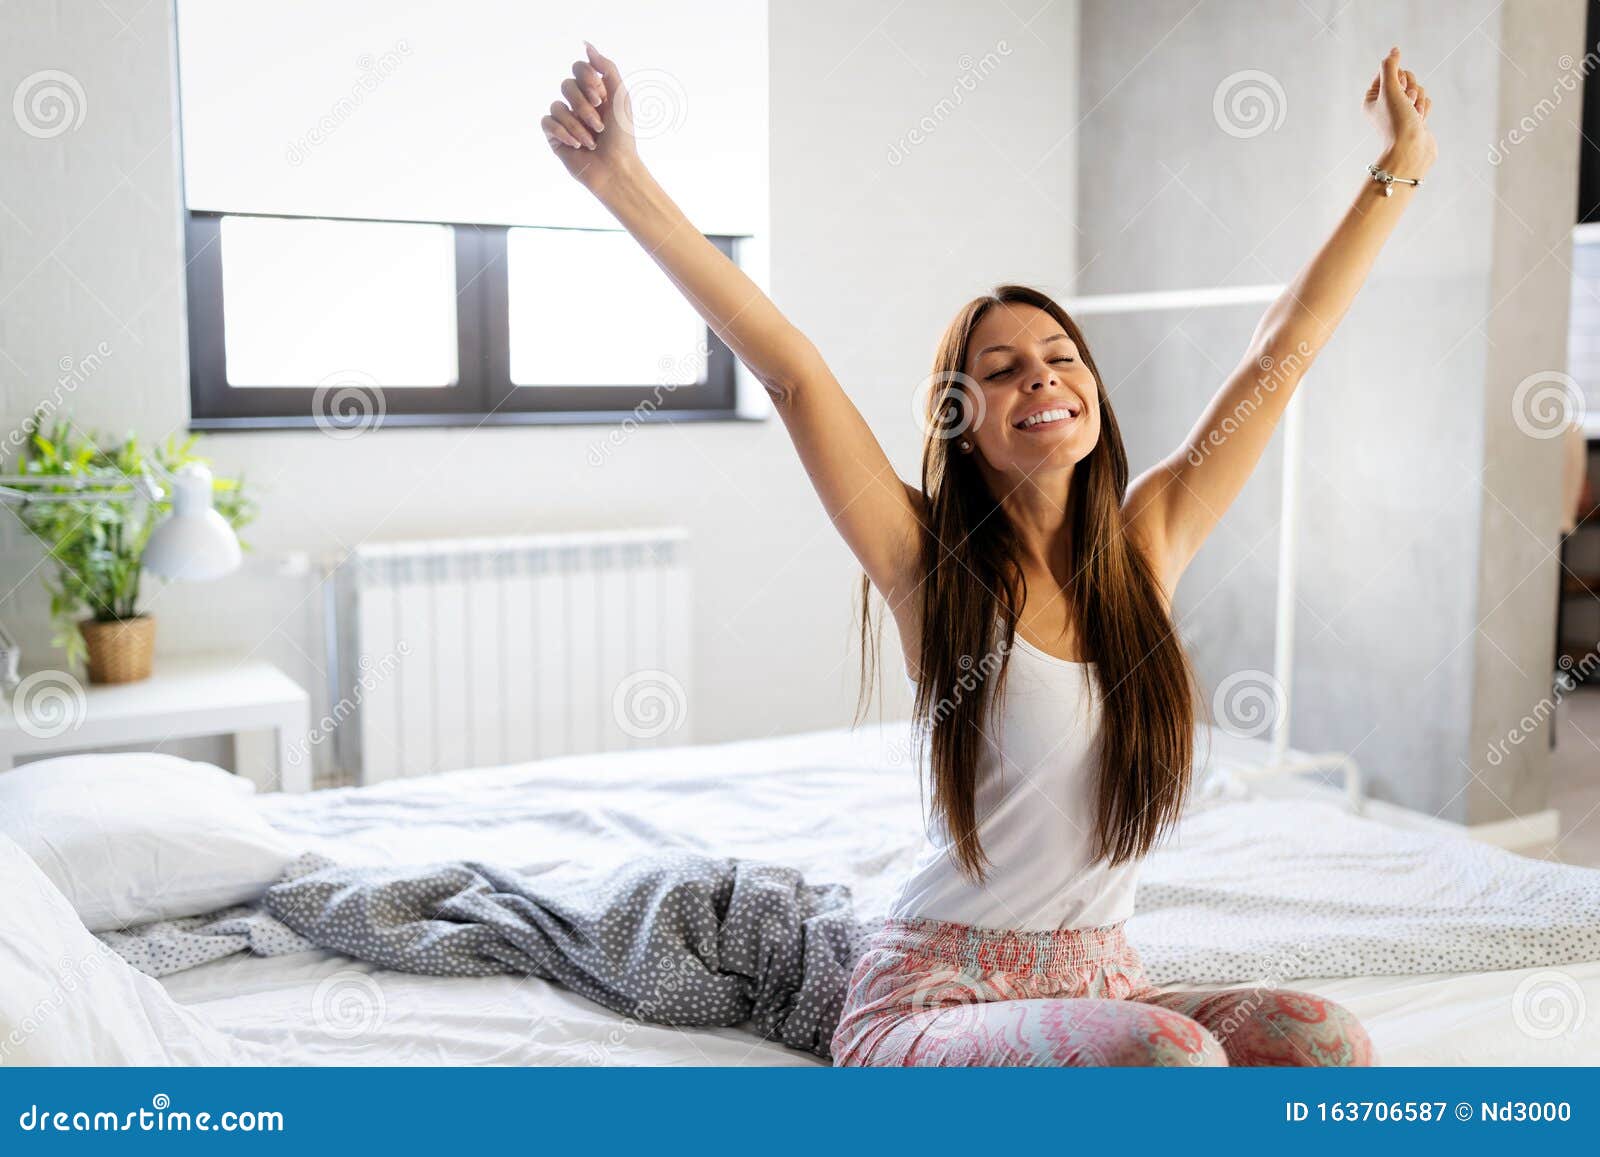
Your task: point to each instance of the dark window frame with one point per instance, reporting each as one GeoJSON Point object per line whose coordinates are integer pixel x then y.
{"type": "Point", "coordinates": [483, 394]}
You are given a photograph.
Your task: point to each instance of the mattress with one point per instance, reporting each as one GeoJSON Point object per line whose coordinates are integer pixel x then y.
{"type": "Point", "coordinates": [839, 805]}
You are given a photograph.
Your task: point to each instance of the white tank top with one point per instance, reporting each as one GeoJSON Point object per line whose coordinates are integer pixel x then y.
{"type": "Point", "coordinates": [1036, 800]}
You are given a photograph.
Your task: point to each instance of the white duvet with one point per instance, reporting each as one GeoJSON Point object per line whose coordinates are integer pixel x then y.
{"type": "Point", "coordinates": [1248, 876]}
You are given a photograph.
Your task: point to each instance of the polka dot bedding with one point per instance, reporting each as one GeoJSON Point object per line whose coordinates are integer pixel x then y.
{"type": "Point", "coordinates": [1291, 889]}
{"type": "Point", "coordinates": [675, 938]}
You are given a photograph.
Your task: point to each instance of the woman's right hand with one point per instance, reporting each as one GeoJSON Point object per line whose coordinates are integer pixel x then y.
{"type": "Point", "coordinates": [591, 128]}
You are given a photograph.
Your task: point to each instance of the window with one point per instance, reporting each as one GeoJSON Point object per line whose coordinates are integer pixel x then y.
{"type": "Point", "coordinates": [371, 207]}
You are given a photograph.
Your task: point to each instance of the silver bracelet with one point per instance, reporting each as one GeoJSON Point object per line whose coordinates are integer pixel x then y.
{"type": "Point", "coordinates": [1388, 180]}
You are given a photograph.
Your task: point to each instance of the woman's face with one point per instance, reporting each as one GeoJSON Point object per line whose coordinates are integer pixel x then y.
{"type": "Point", "coordinates": [1040, 408]}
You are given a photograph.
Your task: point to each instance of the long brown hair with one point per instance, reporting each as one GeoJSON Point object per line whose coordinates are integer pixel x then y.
{"type": "Point", "coordinates": [973, 592]}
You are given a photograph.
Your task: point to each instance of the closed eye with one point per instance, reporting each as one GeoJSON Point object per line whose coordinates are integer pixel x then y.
{"type": "Point", "coordinates": [1004, 370]}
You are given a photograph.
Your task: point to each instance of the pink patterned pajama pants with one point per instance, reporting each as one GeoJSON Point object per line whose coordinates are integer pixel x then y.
{"type": "Point", "coordinates": [935, 993]}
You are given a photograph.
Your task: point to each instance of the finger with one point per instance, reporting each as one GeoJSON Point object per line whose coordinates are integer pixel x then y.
{"type": "Point", "coordinates": [558, 135]}
{"type": "Point", "coordinates": [1422, 95]}
{"type": "Point", "coordinates": [564, 117]}
{"type": "Point", "coordinates": [1427, 105]}
{"type": "Point", "coordinates": [608, 70]}
{"type": "Point", "coordinates": [581, 108]}
{"type": "Point", "coordinates": [1390, 69]}
{"type": "Point", "coordinates": [593, 83]}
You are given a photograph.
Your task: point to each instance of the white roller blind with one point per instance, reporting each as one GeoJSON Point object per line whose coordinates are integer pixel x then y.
{"type": "Point", "coordinates": [430, 111]}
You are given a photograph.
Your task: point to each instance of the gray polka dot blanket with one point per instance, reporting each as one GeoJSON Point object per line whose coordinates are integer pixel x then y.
{"type": "Point", "coordinates": [676, 938]}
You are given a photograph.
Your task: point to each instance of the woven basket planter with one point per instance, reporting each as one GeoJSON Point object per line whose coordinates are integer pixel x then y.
{"type": "Point", "coordinates": [120, 651]}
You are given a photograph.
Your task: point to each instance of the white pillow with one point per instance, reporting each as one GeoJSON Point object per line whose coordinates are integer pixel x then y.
{"type": "Point", "coordinates": [67, 999]}
{"type": "Point", "coordinates": [135, 837]}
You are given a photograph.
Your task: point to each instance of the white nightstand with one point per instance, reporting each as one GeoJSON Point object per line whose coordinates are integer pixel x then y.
{"type": "Point", "coordinates": [264, 709]}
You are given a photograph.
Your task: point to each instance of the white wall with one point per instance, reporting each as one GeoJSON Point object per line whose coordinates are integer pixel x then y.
{"type": "Point", "coordinates": [877, 238]}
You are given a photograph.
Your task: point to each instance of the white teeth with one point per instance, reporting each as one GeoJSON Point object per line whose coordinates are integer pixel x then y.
{"type": "Point", "coordinates": [1044, 416]}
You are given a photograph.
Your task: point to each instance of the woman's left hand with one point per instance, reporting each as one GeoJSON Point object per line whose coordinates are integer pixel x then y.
{"type": "Point", "coordinates": [1399, 106]}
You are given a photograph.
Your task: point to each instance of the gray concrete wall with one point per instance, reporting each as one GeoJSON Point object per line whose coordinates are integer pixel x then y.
{"type": "Point", "coordinates": [1398, 554]}
{"type": "Point", "coordinates": [1535, 200]}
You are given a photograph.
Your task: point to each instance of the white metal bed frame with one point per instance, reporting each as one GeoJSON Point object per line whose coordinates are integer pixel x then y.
{"type": "Point", "coordinates": [1282, 762]}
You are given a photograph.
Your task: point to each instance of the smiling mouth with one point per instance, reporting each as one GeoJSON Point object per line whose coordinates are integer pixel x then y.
{"type": "Point", "coordinates": [1044, 418]}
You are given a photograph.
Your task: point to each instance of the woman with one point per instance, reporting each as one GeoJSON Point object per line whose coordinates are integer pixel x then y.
{"type": "Point", "coordinates": [1027, 565]}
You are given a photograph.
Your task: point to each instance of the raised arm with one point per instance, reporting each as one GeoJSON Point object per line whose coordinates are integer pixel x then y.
{"type": "Point", "coordinates": [590, 130]}
{"type": "Point", "coordinates": [1175, 504]}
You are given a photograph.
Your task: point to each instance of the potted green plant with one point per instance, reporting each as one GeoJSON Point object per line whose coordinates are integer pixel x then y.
{"type": "Point", "coordinates": [96, 543]}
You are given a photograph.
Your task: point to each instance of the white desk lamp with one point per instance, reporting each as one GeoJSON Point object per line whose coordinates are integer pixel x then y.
{"type": "Point", "coordinates": [193, 543]}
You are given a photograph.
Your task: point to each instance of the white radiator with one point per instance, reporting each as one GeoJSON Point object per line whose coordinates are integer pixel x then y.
{"type": "Point", "coordinates": [473, 652]}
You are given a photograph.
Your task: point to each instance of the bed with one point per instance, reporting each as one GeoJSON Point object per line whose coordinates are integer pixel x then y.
{"type": "Point", "coordinates": [840, 805]}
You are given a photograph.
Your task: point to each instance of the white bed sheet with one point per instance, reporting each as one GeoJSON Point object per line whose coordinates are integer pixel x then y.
{"type": "Point", "coordinates": [839, 805]}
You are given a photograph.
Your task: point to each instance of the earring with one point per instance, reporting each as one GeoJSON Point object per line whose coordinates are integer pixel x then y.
{"type": "Point", "coordinates": [964, 446]}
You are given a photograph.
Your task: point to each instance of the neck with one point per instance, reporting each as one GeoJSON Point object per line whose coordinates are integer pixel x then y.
{"type": "Point", "coordinates": [1037, 509]}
